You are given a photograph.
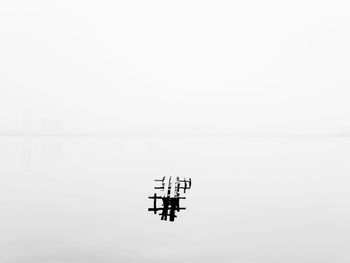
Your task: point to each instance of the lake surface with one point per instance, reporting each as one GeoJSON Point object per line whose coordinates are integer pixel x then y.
{"type": "Point", "coordinates": [253, 200]}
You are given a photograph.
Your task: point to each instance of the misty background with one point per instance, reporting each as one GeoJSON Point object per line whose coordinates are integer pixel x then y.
{"type": "Point", "coordinates": [201, 67]}
{"type": "Point", "coordinates": [256, 94]}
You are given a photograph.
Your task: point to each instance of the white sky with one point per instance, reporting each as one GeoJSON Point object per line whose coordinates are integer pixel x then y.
{"type": "Point", "coordinates": [178, 66]}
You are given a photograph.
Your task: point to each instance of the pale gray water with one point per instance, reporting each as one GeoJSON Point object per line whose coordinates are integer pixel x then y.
{"type": "Point", "coordinates": [253, 200]}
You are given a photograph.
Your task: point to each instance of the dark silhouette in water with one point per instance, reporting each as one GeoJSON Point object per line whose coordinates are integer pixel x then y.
{"type": "Point", "coordinates": [170, 201]}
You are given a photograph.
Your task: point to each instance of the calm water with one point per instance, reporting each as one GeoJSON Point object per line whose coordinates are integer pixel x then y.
{"type": "Point", "coordinates": [81, 199]}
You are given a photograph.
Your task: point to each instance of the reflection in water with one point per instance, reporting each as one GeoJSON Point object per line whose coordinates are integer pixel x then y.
{"type": "Point", "coordinates": [51, 150]}
{"type": "Point", "coordinates": [170, 197]}
{"type": "Point", "coordinates": [26, 153]}
{"type": "Point", "coordinates": [254, 200]}
{"type": "Point", "coordinates": [40, 150]}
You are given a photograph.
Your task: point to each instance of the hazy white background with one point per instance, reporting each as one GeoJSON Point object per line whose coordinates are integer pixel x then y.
{"type": "Point", "coordinates": [191, 69]}
{"type": "Point", "coordinates": [176, 66]}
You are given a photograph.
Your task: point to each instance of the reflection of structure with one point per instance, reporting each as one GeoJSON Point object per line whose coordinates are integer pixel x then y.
{"type": "Point", "coordinates": [170, 198]}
